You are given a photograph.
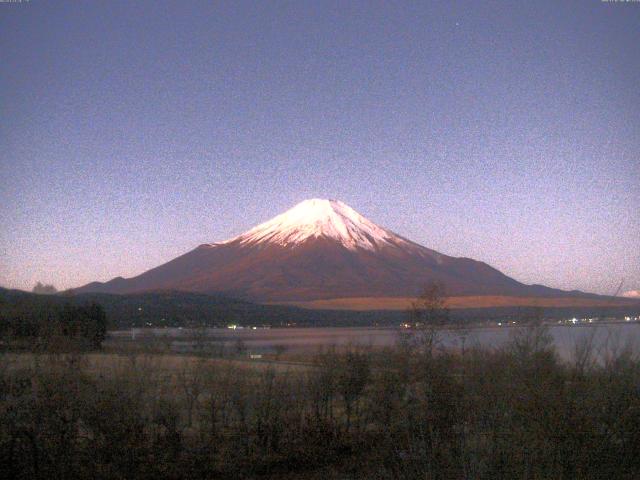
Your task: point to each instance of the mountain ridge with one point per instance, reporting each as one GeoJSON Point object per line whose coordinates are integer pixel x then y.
{"type": "Point", "coordinates": [318, 250]}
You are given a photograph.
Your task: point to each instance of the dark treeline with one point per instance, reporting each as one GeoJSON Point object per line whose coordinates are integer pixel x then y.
{"type": "Point", "coordinates": [407, 412]}
{"type": "Point", "coordinates": [182, 309]}
{"type": "Point", "coordinates": [37, 323]}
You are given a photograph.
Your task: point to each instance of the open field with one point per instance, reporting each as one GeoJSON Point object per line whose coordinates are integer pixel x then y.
{"type": "Point", "coordinates": [166, 365]}
{"type": "Point", "coordinates": [403, 303]}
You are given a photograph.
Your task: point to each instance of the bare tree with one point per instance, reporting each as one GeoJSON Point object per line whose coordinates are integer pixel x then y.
{"type": "Point", "coordinates": [428, 315]}
{"type": "Point", "coordinates": [353, 375]}
{"type": "Point", "coordinates": [533, 336]}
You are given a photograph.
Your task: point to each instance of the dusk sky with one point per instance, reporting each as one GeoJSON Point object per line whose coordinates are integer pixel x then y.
{"type": "Point", "coordinates": [508, 132]}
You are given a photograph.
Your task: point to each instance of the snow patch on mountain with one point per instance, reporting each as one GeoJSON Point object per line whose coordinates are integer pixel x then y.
{"type": "Point", "coordinates": [316, 218]}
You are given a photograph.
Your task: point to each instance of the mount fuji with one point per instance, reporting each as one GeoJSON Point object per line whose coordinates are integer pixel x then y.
{"type": "Point", "coordinates": [322, 250]}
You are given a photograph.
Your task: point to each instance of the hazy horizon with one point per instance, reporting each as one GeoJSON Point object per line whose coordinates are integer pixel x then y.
{"type": "Point", "coordinates": [134, 131]}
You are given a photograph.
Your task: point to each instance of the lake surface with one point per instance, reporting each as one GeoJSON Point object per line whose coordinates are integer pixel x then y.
{"type": "Point", "coordinates": [606, 337]}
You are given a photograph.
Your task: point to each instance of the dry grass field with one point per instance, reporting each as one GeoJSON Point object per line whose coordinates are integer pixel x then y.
{"type": "Point", "coordinates": [402, 303]}
{"type": "Point", "coordinates": [162, 364]}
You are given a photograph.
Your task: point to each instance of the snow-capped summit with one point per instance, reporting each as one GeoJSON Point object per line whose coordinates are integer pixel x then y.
{"type": "Point", "coordinates": [319, 218]}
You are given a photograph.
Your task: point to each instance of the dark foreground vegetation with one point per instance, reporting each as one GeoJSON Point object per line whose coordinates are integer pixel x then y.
{"type": "Point", "coordinates": [408, 412]}
{"type": "Point", "coordinates": [46, 326]}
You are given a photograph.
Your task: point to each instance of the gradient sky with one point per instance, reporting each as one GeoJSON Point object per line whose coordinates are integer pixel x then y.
{"type": "Point", "coordinates": [509, 132]}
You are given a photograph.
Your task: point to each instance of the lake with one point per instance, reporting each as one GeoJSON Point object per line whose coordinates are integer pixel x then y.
{"type": "Point", "coordinates": [605, 337]}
